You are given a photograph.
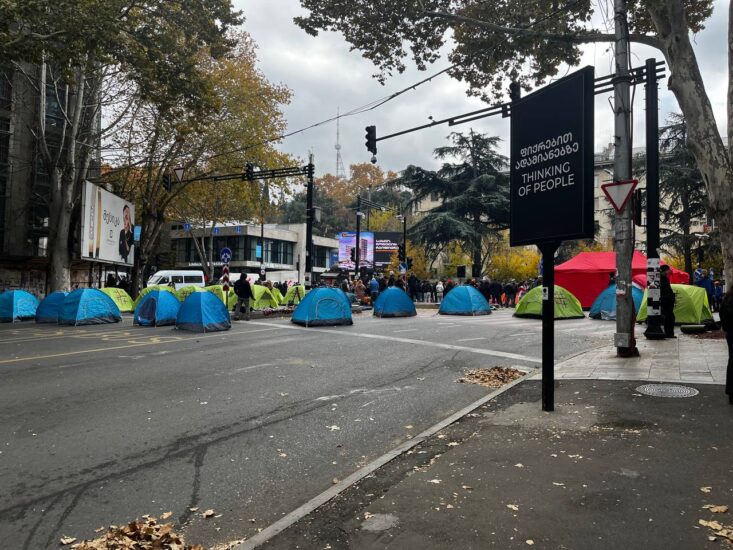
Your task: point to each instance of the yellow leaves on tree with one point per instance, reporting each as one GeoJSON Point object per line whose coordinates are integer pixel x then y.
{"type": "Point", "coordinates": [518, 263]}
{"type": "Point", "coordinates": [345, 190]}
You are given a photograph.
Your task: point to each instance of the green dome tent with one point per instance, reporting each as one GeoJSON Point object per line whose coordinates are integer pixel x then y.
{"type": "Point", "coordinates": [121, 298]}
{"type": "Point", "coordinates": [691, 306]}
{"type": "Point", "coordinates": [263, 298]}
{"type": "Point", "coordinates": [567, 306]}
{"type": "Point", "coordinates": [277, 294]}
{"type": "Point", "coordinates": [149, 289]}
{"type": "Point", "coordinates": [185, 291]}
{"type": "Point", "coordinates": [218, 291]}
{"type": "Point", "coordinates": [294, 294]}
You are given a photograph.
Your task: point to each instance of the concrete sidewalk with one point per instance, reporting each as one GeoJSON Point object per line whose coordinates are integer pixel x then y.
{"type": "Point", "coordinates": [610, 468]}
{"type": "Point", "coordinates": [686, 359]}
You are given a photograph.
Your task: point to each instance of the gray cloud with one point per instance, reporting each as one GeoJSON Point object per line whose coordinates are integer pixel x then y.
{"type": "Point", "coordinates": [324, 75]}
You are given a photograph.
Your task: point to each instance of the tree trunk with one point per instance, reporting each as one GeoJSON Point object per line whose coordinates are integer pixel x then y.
{"type": "Point", "coordinates": [59, 223]}
{"type": "Point", "coordinates": [703, 139]}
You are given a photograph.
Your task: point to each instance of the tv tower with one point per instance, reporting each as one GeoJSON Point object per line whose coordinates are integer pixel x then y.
{"type": "Point", "coordinates": [340, 170]}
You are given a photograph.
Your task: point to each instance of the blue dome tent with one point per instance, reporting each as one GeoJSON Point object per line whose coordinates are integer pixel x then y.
{"type": "Point", "coordinates": [323, 307]}
{"type": "Point", "coordinates": [50, 307]}
{"type": "Point", "coordinates": [604, 306]}
{"type": "Point", "coordinates": [88, 306]}
{"type": "Point", "coordinates": [157, 309]}
{"type": "Point", "coordinates": [17, 305]}
{"type": "Point", "coordinates": [464, 300]}
{"type": "Point", "coordinates": [203, 312]}
{"type": "Point", "coordinates": [394, 302]}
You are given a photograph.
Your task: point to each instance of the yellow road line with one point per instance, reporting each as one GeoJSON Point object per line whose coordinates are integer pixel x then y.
{"type": "Point", "coordinates": [132, 345]}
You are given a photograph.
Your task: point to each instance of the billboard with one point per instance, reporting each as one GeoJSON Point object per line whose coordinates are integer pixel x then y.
{"type": "Point", "coordinates": [107, 223]}
{"type": "Point", "coordinates": [551, 175]}
{"type": "Point", "coordinates": [386, 244]}
{"type": "Point", "coordinates": [347, 242]}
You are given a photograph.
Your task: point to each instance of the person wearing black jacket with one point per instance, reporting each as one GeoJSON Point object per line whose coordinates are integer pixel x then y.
{"type": "Point", "coordinates": [243, 290]}
{"type": "Point", "coordinates": [726, 322]}
{"type": "Point", "coordinates": [667, 300]}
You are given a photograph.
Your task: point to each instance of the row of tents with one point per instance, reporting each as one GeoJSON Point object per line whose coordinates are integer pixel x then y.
{"type": "Point", "coordinates": [199, 312]}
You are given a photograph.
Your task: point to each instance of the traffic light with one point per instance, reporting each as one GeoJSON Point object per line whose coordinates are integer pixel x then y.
{"type": "Point", "coordinates": [167, 182]}
{"type": "Point", "coordinates": [353, 255]}
{"type": "Point", "coordinates": [310, 170]}
{"type": "Point", "coordinates": [249, 172]}
{"type": "Point", "coordinates": [402, 253]}
{"type": "Point", "coordinates": [371, 139]}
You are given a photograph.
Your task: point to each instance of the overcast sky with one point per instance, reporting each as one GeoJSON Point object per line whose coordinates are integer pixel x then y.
{"type": "Point", "coordinates": [324, 75]}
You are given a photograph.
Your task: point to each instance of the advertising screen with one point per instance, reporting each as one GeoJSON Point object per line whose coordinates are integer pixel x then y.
{"type": "Point", "coordinates": [347, 242]}
{"type": "Point", "coordinates": [386, 244]}
{"type": "Point", "coordinates": [107, 223]}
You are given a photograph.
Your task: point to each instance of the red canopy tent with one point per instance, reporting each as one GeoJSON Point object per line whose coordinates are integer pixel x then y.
{"type": "Point", "coordinates": [587, 274]}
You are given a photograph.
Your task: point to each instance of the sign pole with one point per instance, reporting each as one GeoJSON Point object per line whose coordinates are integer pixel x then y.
{"type": "Point", "coordinates": [654, 329]}
{"type": "Point", "coordinates": [358, 236]}
{"type": "Point", "coordinates": [548, 325]}
{"type": "Point", "coordinates": [310, 170]}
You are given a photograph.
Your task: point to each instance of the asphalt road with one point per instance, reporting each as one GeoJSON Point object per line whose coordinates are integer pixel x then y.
{"type": "Point", "coordinates": [100, 425]}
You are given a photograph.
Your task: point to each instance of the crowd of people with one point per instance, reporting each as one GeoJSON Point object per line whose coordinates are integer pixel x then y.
{"type": "Point", "coordinates": [497, 293]}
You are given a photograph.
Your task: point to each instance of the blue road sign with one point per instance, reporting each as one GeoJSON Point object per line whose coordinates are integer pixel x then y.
{"type": "Point", "coordinates": [187, 227]}
{"type": "Point", "coordinates": [226, 255]}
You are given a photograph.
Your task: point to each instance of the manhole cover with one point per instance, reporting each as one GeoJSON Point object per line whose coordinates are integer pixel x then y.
{"type": "Point", "coordinates": [667, 390]}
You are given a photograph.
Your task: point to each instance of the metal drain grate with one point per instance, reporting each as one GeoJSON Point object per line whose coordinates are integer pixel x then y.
{"type": "Point", "coordinates": [667, 390]}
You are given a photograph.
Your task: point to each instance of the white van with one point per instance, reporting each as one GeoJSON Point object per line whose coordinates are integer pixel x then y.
{"type": "Point", "coordinates": [179, 278]}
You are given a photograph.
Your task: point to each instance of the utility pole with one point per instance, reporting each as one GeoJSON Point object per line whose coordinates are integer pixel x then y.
{"type": "Point", "coordinates": [654, 329]}
{"type": "Point", "coordinates": [310, 170]}
{"type": "Point", "coordinates": [622, 223]}
{"type": "Point", "coordinates": [265, 199]}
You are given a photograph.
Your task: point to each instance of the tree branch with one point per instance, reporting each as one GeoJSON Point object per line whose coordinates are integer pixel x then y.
{"type": "Point", "coordinates": [582, 38]}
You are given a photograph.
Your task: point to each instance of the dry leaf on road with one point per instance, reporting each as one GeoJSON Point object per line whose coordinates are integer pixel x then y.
{"type": "Point", "coordinates": [67, 540]}
{"type": "Point", "coordinates": [208, 513]}
{"type": "Point", "coordinates": [706, 489]}
{"type": "Point", "coordinates": [513, 507]}
{"type": "Point", "coordinates": [166, 515]}
{"type": "Point", "coordinates": [436, 481]}
{"type": "Point", "coordinates": [716, 509]}
{"type": "Point", "coordinates": [712, 524]}
{"type": "Point", "coordinates": [333, 428]}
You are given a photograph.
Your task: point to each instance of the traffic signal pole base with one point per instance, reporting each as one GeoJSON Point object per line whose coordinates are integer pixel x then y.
{"type": "Point", "coordinates": [654, 329]}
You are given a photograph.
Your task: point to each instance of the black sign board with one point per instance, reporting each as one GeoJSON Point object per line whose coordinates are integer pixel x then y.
{"type": "Point", "coordinates": [552, 162]}
{"type": "Point", "coordinates": [386, 243]}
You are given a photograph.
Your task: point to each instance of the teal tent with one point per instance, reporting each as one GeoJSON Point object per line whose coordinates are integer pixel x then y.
{"type": "Point", "coordinates": [156, 309]}
{"type": "Point", "coordinates": [464, 300]}
{"type": "Point", "coordinates": [394, 302]}
{"type": "Point", "coordinates": [88, 306]}
{"type": "Point", "coordinates": [323, 307]}
{"type": "Point", "coordinates": [17, 305]}
{"type": "Point", "coordinates": [203, 312]}
{"type": "Point", "coordinates": [50, 307]}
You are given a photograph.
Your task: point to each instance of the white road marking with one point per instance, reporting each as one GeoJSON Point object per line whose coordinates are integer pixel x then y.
{"type": "Point", "coordinates": [405, 330]}
{"type": "Point", "coordinates": [470, 339]}
{"type": "Point", "coordinates": [481, 351]}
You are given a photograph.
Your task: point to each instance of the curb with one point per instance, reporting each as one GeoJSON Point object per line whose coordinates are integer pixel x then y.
{"type": "Point", "coordinates": [319, 500]}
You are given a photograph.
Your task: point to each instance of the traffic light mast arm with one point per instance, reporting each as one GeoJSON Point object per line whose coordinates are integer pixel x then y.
{"type": "Point", "coordinates": [248, 175]}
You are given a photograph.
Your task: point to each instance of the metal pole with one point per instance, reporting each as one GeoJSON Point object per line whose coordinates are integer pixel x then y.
{"type": "Point", "coordinates": [548, 325]}
{"type": "Point", "coordinates": [654, 330]}
{"type": "Point", "coordinates": [358, 236]}
{"type": "Point", "coordinates": [309, 224]}
{"type": "Point", "coordinates": [622, 223]}
{"type": "Point", "coordinates": [369, 210]}
{"type": "Point", "coordinates": [404, 237]}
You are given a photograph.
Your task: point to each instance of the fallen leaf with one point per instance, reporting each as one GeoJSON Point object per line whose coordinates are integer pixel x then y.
{"type": "Point", "coordinates": [282, 455]}
{"type": "Point", "coordinates": [453, 444]}
{"type": "Point", "coordinates": [208, 513]}
{"type": "Point", "coordinates": [467, 487]}
{"type": "Point", "coordinates": [335, 480]}
{"type": "Point", "coordinates": [558, 484]}
{"type": "Point", "coordinates": [519, 465]}
{"type": "Point", "coordinates": [166, 515]}
{"type": "Point", "coordinates": [368, 515]}
{"type": "Point", "coordinates": [67, 540]}
{"type": "Point", "coordinates": [716, 509]}
{"type": "Point", "coordinates": [706, 489]}
{"type": "Point", "coordinates": [529, 542]}
{"type": "Point", "coordinates": [194, 509]}
{"type": "Point", "coordinates": [436, 481]}
{"type": "Point", "coordinates": [442, 436]}
{"type": "Point", "coordinates": [712, 538]}
{"type": "Point", "coordinates": [408, 427]}
{"type": "Point", "coordinates": [449, 506]}
{"type": "Point", "coordinates": [714, 525]}
{"type": "Point", "coordinates": [333, 428]}
{"type": "Point", "coordinates": [513, 507]}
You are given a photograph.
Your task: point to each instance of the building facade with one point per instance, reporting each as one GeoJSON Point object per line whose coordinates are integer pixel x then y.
{"type": "Point", "coordinates": [284, 248]}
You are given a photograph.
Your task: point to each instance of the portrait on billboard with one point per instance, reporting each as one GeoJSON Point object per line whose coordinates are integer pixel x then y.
{"type": "Point", "coordinates": [107, 228]}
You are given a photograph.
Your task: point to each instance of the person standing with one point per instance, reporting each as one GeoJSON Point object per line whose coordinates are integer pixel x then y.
{"type": "Point", "coordinates": [439, 291]}
{"type": "Point", "coordinates": [667, 299]}
{"type": "Point", "coordinates": [706, 283]}
{"type": "Point", "coordinates": [726, 322]}
{"type": "Point", "coordinates": [374, 288]}
{"type": "Point", "coordinates": [717, 295]}
{"type": "Point", "coordinates": [243, 290]}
